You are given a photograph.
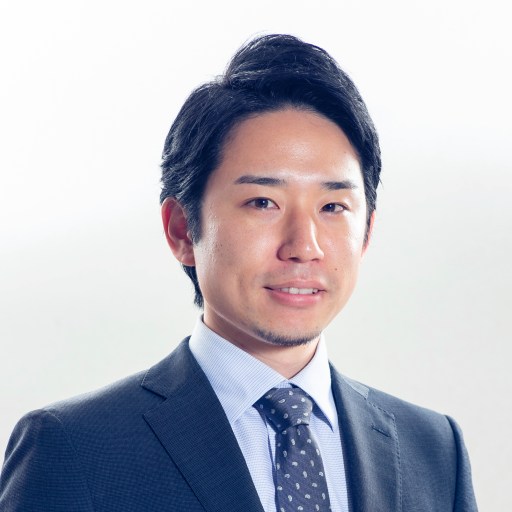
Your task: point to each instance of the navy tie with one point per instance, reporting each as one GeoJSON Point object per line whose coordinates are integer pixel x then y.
{"type": "Point", "coordinates": [300, 477]}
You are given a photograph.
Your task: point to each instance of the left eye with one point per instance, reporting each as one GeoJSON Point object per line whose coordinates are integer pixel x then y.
{"type": "Point", "coordinates": [333, 208]}
{"type": "Point", "coordinates": [262, 203]}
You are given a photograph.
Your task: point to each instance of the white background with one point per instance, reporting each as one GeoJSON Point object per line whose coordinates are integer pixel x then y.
{"type": "Point", "coordinates": [89, 290]}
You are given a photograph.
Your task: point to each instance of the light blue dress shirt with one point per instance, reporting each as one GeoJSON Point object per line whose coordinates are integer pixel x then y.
{"type": "Point", "coordinates": [240, 379]}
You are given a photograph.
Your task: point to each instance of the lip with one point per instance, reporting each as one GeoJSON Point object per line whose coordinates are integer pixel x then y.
{"type": "Point", "coordinates": [296, 300]}
{"type": "Point", "coordinates": [316, 285]}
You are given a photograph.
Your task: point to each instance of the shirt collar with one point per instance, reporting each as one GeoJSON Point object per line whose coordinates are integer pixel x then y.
{"type": "Point", "coordinates": [239, 379]}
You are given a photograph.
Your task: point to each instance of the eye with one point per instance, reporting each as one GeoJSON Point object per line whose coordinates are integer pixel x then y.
{"type": "Point", "coordinates": [334, 208]}
{"type": "Point", "coordinates": [262, 203]}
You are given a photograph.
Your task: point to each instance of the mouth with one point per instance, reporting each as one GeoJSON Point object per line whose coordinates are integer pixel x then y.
{"type": "Point", "coordinates": [297, 295]}
{"type": "Point", "coordinates": [299, 291]}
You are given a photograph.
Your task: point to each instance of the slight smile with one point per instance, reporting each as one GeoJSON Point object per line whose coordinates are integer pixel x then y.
{"type": "Point", "coordinates": [299, 291]}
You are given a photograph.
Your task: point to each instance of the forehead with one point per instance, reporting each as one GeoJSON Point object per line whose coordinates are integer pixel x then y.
{"type": "Point", "coordinates": [292, 144]}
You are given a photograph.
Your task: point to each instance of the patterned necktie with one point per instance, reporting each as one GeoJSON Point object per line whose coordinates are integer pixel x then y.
{"type": "Point", "coordinates": [300, 477]}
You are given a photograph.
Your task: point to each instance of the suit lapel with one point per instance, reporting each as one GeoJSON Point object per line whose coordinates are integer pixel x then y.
{"type": "Point", "coordinates": [195, 432]}
{"type": "Point", "coordinates": [370, 447]}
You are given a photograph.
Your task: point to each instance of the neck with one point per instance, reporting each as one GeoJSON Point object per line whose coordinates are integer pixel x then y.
{"type": "Point", "coordinates": [287, 361]}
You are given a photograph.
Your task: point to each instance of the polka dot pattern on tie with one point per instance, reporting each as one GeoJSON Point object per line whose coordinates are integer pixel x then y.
{"type": "Point", "coordinates": [300, 478]}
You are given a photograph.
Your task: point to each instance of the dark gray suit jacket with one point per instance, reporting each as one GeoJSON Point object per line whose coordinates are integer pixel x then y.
{"type": "Point", "coordinates": [160, 441]}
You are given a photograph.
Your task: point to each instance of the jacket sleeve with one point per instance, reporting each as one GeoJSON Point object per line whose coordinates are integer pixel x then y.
{"type": "Point", "coordinates": [41, 471]}
{"type": "Point", "coordinates": [464, 494]}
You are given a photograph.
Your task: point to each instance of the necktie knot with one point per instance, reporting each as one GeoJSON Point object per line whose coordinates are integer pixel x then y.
{"type": "Point", "coordinates": [286, 407]}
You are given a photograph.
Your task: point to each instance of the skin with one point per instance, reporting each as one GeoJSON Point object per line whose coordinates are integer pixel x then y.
{"type": "Point", "coordinates": [284, 209]}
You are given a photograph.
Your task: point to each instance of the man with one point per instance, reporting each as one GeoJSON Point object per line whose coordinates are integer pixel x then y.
{"type": "Point", "coordinates": [269, 190]}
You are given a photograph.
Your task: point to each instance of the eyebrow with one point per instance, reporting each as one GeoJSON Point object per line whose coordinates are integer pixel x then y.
{"type": "Point", "coordinates": [259, 180]}
{"type": "Point", "coordinates": [339, 185]}
{"type": "Point", "coordinates": [274, 182]}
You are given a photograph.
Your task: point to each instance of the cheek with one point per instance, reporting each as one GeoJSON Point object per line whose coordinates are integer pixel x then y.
{"type": "Point", "coordinates": [345, 245]}
{"type": "Point", "coordinates": [220, 252]}
{"type": "Point", "coordinates": [356, 237]}
{"type": "Point", "coordinates": [243, 244]}
{"type": "Point", "coordinates": [207, 253]}
{"type": "Point", "coordinates": [344, 261]}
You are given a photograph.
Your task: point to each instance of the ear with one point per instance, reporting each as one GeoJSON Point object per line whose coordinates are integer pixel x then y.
{"type": "Point", "coordinates": [369, 234]}
{"type": "Point", "coordinates": [176, 231]}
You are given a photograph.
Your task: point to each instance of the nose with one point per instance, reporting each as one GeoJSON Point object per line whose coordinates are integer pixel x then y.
{"type": "Point", "coordinates": [300, 240]}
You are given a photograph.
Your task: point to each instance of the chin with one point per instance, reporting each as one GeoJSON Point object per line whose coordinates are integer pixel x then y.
{"type": "Point", "coordinates": [286, 340]}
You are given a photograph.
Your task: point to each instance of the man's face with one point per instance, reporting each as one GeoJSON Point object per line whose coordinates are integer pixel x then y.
{"type": "Point", "coordinates": [283, 225]}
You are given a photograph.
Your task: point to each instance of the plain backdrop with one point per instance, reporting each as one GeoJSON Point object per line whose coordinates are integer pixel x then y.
{"type": "Point", "coordinates": [91, 293]}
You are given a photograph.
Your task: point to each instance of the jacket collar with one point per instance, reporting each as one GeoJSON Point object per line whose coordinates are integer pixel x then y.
{"type": "Point", "coordinates": [194, 430]}
{"type": "Point", "coordinates": [370, 447]}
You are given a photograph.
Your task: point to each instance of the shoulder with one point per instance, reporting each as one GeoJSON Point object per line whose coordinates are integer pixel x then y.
{"type": "Point", "coordinates": [424, 437]}
{"type": "Point", "coordinates": [120, 402]}
{"type": "Point", "coordinates": [106, 412]}
{"type": "Point", "coordinates": [428, 446]}
{"type": "Point", "coordinates": [113, 410]}
{"type": "Point", "coordinates": [401, 409]}
{"type": "Point", "coordinates": [47, 456]}
{"type": "Point", "coordinates": [116, 400]}
{"type": "Point", "coordinates": [90, 418]}
{"type": "Point", "coordinates": [420, 429]}
{"type": "Point", "coordinates": [64, 454]}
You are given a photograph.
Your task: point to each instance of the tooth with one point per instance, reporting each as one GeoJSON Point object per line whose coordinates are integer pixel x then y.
{"type": "Point", "coordinates": [300, 291]}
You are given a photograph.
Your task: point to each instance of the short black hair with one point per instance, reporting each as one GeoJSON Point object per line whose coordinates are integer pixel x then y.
{"type": "Point", "coordinates": [268, 73]}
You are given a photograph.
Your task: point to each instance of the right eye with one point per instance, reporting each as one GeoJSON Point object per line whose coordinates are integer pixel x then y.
{"type": "Point", "coordinates": [262, 203]}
